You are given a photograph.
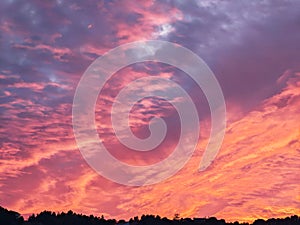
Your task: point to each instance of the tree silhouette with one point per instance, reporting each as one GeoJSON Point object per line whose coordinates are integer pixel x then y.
{"type": "Point", "coordinates": [8, 217]}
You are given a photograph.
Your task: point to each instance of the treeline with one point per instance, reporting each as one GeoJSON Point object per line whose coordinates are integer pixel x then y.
{"type": "Point", "coordinates": [8, 217]}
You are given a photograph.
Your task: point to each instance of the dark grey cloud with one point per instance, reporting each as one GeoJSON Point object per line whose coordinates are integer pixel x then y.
{"type": "Point", "coordinates": [248, 44]}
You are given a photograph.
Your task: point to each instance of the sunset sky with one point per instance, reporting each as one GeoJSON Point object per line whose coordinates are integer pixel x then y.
{"type": "Point", "coordinates": [252, 47]}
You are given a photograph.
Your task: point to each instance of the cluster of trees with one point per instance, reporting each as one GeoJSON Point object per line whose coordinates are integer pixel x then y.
{"type": "Point", "coordinates": [70, 218]}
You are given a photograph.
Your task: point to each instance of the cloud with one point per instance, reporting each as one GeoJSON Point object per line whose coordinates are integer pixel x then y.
{"type": "Point", "coordinates": [47, 46]}
{"type": "Point", "coordinates": [241, 44]}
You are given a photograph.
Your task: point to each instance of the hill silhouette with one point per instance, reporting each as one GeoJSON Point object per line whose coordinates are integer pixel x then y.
{"type": "Point", "coordinates": [8, 217]}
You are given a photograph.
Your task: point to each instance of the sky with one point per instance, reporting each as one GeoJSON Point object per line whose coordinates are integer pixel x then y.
{"type": "Point", "coordinates": [252, 47]}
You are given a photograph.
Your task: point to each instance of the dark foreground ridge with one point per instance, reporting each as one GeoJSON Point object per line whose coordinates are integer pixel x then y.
{"type": "Point", "coordinates": [8, 217]}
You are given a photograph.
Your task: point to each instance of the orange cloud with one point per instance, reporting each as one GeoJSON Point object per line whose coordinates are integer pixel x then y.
{"type": "Point", "coordinates": [254, 176]}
